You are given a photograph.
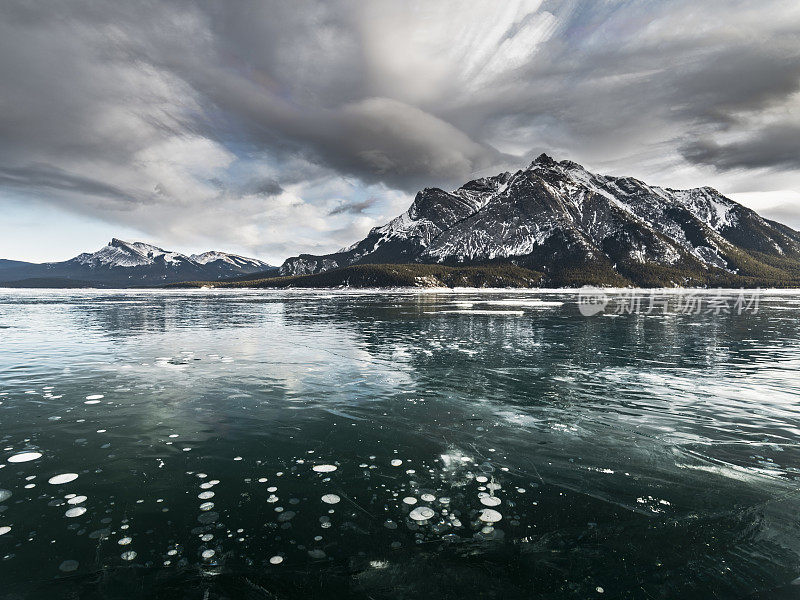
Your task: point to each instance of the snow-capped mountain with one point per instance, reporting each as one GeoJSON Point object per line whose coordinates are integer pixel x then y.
{"type": "Point", "coordinates": [123, 263]}
{"type": "Point", "coordinates": [119, 253]}
{"type": "Point", "coordinates": [579, 227]}
{"type": "Point", "coordinates": [237, 261]}
{"type": "Point", "coordinates": [573, 226]}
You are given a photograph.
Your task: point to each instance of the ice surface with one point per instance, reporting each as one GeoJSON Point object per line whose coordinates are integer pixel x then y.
{"type": "Point", "coordinates": [63, 478]}
{"type": "Point", "coordinates": [24, 457]}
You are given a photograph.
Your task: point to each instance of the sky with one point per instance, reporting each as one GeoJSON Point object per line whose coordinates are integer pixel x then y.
{"type": "Point", "coordinates": [274, 127]}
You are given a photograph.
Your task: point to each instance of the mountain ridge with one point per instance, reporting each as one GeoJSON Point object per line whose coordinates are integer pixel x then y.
{"type": "Point", "coordinates": [562, 224]}
{"type": "Point", "coordinates": [579, 227]}
{"type": "Point", "coordinates": [128, 264]}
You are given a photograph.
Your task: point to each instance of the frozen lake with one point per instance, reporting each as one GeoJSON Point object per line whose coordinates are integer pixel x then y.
{"type": "Point", "coordinates": [437, 444]}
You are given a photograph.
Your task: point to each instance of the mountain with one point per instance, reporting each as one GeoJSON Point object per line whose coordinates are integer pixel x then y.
{"type": "Point", "coordinates": [579, 228]}
{"type": "Point", "coordinates": [559, 223]}
{"type": "Point", "coordinates": [127, 264]}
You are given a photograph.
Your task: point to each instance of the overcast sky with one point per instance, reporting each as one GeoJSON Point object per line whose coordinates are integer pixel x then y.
{"type": "Point", "coordinates": [274, 127]}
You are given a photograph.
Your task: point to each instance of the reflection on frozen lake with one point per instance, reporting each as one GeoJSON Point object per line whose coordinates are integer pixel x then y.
{"type": "Point", "coordinates": [309, 444]}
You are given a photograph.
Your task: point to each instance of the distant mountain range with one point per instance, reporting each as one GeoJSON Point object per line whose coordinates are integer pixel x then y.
{"type": "Point", "coordinates": [576, 227]}
{"type": "Point", "coordinates": [129, 264]}
{"type": "Point", "coordinates": [559, 223]}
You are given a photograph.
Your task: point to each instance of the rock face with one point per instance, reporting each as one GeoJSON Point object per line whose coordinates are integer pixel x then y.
{"type": "Point", "coordinates": [123, 263]}
{"type": "Point", "coordinates": [579, 227]}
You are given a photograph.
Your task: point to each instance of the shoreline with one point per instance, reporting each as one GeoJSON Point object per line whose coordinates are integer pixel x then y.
{"type": "Point", "coordinates": [409, 290]}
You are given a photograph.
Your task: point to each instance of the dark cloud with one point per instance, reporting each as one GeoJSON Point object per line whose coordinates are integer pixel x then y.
{"type": "Point", "coordinates": [771, 147]}
{"type": "Point", "coordinates": [741, 79]}
{"type": "Point", "coordinates": [264, 118]}
{"type": "Point", "coordinates": [44, 179]}
{"type": "Point", "coordinates": [354, 208]}
{"type": "Point", "coordinates": [262, 187]}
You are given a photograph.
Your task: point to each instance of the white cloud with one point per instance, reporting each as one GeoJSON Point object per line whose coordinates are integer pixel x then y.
{"type": "Point", "coordinates": [275, 128]}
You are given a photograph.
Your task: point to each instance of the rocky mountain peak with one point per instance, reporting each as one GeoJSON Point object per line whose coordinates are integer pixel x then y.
{"type": "Point", "coordinates": [122, 263]}
{"type": "Point", "coordinates": [544, 160]}
{"type": "Point", "coordinates": [578, 227]}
